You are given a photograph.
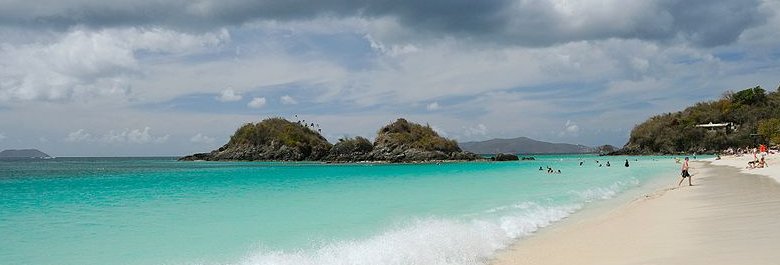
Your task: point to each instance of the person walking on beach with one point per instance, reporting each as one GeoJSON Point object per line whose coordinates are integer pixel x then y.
{"type": "Point", "coordinates": [685, 173]}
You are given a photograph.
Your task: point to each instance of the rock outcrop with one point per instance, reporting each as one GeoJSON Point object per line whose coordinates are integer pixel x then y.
{"type": "Point", "coordinates": [404, 141]}
{"type": "Point", "coordinates": [281, 140]}
{"type": "Point", "coordinates": [350, 150]}
{"type": "Point", "coordinates": [271, 139]}
{"type": "Point", "coordinates": [505, 157]}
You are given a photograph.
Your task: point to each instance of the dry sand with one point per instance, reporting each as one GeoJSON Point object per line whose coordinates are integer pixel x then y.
{"type": "Point", "coordinates": [727, 217]}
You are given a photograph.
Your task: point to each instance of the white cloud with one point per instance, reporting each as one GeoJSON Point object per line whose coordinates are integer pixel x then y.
{"type": "Point", "coordinates": [83, 63]}
{"type": "Point", "coordinates": [288, 100]}
{"type": "Point", "coordinates": [2, 137]}
{"type": "Point", "coordinates": [570, 128]}
{"type": "Point", "coordinates": [139, 136]}
{"type": "Point", "coordinates": [256, 103]}
{"type": "Point", "coordinates": [433, 106]}
{"type": "Point", "coordinates": [202, 139]}
{"type": "Point", "coordinates": [78, 136]}
{"type": "Point", "coordinates": [228, 95]}
{"type": "Point", "coordinates": [479, 130]}
{"type": "Point", "coordinates": [136, 136]}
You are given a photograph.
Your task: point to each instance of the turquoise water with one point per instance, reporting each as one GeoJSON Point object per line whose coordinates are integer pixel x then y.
{"type": "Point", "coordinates": [160, 211]}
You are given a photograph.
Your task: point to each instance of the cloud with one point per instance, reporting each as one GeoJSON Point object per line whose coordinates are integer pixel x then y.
{"type": "Point", "coordinates": [479, 130]}
{"type": "Point", "coordinates": [570, 129]}
{"type": "Point", "coordinates": [2, 137]}
{"type": "Point", "coordinates": [433, 106]}
{"type": "Point", "coordinates": [78, 136]}
{"type": "Point", "coordinates": [136, 136]}
{"type": "Point", "coordinates": [201, 139]}
{"type": "Point", "coordinates": [228, 95]}
{"type": "Point", "coordinates": [256, 103]}
{"type": "Point", "coordinates": [83, 63]}
{"type": "Point", "coordinates": [524, 22]}
{"type": "Point", "coordinates": [288, 100]}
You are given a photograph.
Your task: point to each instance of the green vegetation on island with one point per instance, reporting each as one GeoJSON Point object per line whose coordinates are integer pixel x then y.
{"type": "Point", "coordinates": [270, 139]}
{"type": "Point", "coordinates": [283, 140]}
{"type": "Point", "coordinates": [741, 119]}
{"type": "Point", "coordinates": [404, 141]}
{"type": "Point", "coordinates": [23, 153]}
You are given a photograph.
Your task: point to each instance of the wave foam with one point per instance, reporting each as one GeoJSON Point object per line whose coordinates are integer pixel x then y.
{"type": "Point", "coordinates": [604, 193]}
{"type": "Point", "coordinates": [426, 241]}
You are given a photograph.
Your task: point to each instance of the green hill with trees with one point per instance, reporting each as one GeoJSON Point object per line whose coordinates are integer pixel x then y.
{"type": "Point", "coordinates": [404, 141]}
{"type": "Point", "coordinates": [752, 115]}
{"type": "Point", "coordinates": [277, 139]}
{"type": "Point", "coordinates": [270, 139]}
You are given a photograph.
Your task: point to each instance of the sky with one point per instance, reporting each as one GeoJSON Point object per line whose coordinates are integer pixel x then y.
{"type": "Point", "coordinates": [152, 77]}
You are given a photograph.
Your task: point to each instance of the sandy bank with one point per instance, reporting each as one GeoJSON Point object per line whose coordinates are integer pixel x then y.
{"type": "Point", "coordinates": [741, 162]}
{"type": "Point", "coordinates": [727, 217]}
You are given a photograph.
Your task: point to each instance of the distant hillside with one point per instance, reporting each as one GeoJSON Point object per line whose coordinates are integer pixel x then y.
{"type": "Point", "coordinates": [752, 116]}
{"type": "Point", "coordinates": [23, 153]}
{"type": "Point", "coordinates": [523, 145]}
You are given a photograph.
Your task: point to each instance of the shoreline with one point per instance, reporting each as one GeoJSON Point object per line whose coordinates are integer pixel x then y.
{"type": "Point", "coordinates": [727, 217]}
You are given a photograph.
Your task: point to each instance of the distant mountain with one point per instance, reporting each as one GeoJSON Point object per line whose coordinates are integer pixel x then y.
{"type": "Point", "coordinates": [523, 145]}
{"type": "Point", "coordinates": [23, 153]}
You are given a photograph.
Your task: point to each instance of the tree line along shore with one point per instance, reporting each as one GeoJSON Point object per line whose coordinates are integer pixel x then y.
{"type": "Point", "coordinates": [742, 119]}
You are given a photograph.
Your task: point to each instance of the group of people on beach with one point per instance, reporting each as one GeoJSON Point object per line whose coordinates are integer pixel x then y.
{"type": "Point", "coordinates": [758, 162]}
{"type": "Point", "coordinates": [748, 150]}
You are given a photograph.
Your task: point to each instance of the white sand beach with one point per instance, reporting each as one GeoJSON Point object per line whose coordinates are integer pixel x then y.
{"type": "Point", "coordinates": [727, 217]}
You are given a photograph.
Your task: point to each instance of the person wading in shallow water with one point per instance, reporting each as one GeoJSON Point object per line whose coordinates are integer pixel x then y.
{"type": "Point", "coordinates": [685, 173]}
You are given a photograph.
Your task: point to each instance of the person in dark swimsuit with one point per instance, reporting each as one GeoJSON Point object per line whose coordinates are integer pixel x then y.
{"type": "Point", "coordinates": [685, 173]}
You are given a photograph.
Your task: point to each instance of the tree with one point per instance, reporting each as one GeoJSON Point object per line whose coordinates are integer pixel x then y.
{"type": "Point", "coordinates": [749, 96]}
{"type": "Point", "coordinates": [770, 129]}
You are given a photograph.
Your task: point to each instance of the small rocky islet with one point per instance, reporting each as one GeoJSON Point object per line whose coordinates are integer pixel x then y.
{"type": "Point", "coordinates": [277, 139]}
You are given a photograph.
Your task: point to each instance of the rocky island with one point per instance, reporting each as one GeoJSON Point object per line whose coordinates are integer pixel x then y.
{"type": "Point", "coordinates": [23, 153]}
{"type": "Point", "coordinates": [277, 139]}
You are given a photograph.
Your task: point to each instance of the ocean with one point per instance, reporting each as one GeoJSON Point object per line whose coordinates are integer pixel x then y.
{"type": "Point", "coordinates": [160, 211]}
